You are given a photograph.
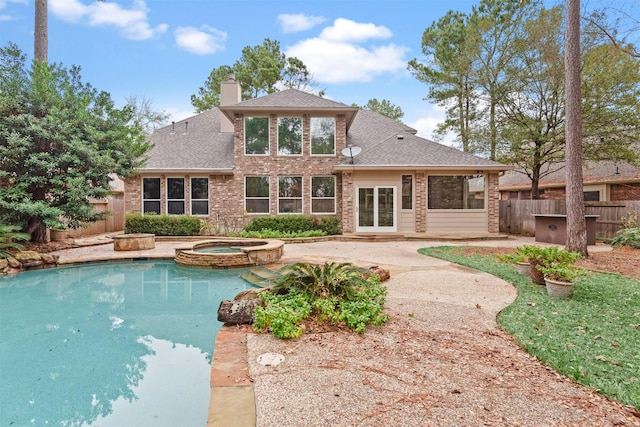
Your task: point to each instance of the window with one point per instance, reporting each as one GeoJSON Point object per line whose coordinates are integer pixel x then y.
{"type": "Point", "coordinates": [199, 196]}
{"type": "Point", "coordinates": [323, 135]}
{"type": "Point", "coordinates": [289, 136]}
{"type": "Point", "coordinates": [323, 194]}
{"type": "Point", "coordinates": [151, 195]}
{"type": "Point", "coordinates": [256, 135]}
{"type": "Point", "coordinates": [456, 192]}
{"type": "Point", "coordinates": [407, 192]}
{"type": "Point", "coordinates": [256, 191]}
{"type": "Point", "coordinates": [175, 196]}
{"type": "Point", "coordinates": [289, 194]}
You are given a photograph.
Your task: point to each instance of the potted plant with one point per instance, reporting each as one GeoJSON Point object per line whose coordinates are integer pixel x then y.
{"type": "Point", "coordinates": [59, 233]}
{"type": "Point", "coordinates": [534, 255]}
{"type": "Point", "coordinates": [559, 278]}
{"type": "Point", "coordinates": [518, 259]}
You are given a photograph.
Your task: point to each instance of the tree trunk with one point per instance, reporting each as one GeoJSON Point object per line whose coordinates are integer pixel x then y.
{"type": "Point", "coordinates": [576, 224]}
{"type": "Point", "coordinates": [535, 181]}
{"type": "Point", "coordinates": [40, 33]}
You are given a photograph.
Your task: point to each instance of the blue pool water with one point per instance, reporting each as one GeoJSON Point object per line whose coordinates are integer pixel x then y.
{"type": "Point", "coordinates": [114, 344]}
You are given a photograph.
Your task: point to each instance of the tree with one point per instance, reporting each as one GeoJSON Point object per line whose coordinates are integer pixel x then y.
{"type": "Point", "coordinates": [384, 107]}
{"type": "Point", "coordinates": [144, 115]}
{"type": "Point", "coordinates": [261, 69]}
{"type": "Point", "coordinates": [534, 114]}
{"type": "Point", "coordinates": [576, 223]}
{"type": "Point", "coordinates": [41, 33]}
{"type": "Point", "coordinates": [60, 139]}
{"type": "Point", "coordinates": [447, 46]}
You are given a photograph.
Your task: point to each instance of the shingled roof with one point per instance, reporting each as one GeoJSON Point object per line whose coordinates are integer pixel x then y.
{"type": "Point", "coordinates": [387, 143]}
{"type": "Point", "coordinates": [194, 144]}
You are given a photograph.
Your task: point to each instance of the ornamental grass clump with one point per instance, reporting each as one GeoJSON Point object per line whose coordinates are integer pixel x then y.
{"type": "Point", "coordinates": [334, 293]}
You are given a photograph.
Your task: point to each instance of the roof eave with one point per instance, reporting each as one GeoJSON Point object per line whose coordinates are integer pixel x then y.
{"type": "Point", "coordinates": [189, 171]}
{"type": "Point", "coordinates": [480, 168]}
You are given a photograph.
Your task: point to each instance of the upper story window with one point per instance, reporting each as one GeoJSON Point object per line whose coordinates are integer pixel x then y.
{"type": "Point", "coordinates": [455, 192]}
{"type": "Point", "coordinates": [256, 135]}
{"type": "Point", "coordinates": [289, 136]}
{"type": "Point", "coordinates": [151, 195]}
{"type": "Point", "coordinates": [175, 196]}
{"type": "Point", "coordinates": [199, 196]}
{"type": "Point", "coordinates": [323, 136]}
{"type": "Point", "coordinates": [323, 194]}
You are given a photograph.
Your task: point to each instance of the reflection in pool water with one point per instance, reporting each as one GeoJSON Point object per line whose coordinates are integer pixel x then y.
{"type": "Point", "coordinates": [110, 344]}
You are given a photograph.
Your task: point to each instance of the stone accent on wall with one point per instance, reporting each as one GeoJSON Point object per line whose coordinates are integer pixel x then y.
{"type": "Point", "coordinates": [493, 202]}
{"type": "Point", "coordinates": [421, 202]}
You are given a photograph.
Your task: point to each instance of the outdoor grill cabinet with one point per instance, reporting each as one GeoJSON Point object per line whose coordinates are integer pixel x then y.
{"type": "Point", "coordinates": [552, 228]}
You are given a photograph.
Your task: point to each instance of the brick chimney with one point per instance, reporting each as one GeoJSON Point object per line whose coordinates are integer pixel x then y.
{"type": "Point", "coordinates": [229, 95]}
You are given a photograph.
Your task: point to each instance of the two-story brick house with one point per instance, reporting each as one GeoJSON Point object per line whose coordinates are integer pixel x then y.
{"type": "Point", "coordinates": [292, 152]}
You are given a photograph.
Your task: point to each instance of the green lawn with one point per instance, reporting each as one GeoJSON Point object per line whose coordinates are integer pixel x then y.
{"type": "Point", "coordinates": [592, 337]}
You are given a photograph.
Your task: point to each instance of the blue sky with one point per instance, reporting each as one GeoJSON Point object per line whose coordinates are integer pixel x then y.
{"type": "Point", "coordinates": [165, 49]}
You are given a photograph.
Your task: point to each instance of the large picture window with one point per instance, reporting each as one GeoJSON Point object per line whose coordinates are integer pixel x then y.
{"type": "Point", "coordinates": [323, 136]}
{"type": "Point", "coordinates": [151, 195]}
{"type": "Point", "coordinates": [289, 194]}
{"type": "Point", "coordinates": [455, 192]}
{"type": "Point", "coordinates": [199, 196]}
{"type": "Point", "coordinates": [323, 194]}
{"type": "Point", "coordinates": [256, 135]}
{"type": "Point", "coordinates": [289, 136]}
{"type": "Point", "coordinates": [256, 192]}
{"type": "Point", "coordinates": [175, 196]}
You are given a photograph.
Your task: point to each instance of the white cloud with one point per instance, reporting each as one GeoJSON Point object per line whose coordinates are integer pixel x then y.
{"type": "Point", "coordinates": [336, 57]}
{"type": "Point", "coordinates": [203, 41]}
{"type": "Point", "coordinates": [345, 30]}
{"type": "Point", "coordinates": [299, 22]}
{"type": "Point", "coordinates": [133, 22]}
{"type": "Point", "coordinates": [427, 123]}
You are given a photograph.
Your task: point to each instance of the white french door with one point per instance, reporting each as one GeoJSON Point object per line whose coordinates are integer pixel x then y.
{"type": "Point", "coordinates": [376, 209]}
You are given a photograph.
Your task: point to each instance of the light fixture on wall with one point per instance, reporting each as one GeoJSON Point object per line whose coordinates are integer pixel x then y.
{"type": "Point", "coordinates": [351, 151]}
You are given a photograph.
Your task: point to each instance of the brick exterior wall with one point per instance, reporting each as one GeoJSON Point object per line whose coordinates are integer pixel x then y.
{"type": "Point", "coordinates": [348, 205]}
{"type": "Point", "coordinates": [619, 192]}
{"type": "Point", "coordinates": [493, 203]}
{"type": "Point", "coordinates": [421, 202]}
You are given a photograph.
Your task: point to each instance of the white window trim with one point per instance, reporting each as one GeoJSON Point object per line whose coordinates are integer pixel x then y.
{"type": "Point", "coordinates": [191, 200]}
{"type": "Point", "coordinates": [335, 134]}
{"type": "Point", "coordinates": [142, 199]}
{"type": "Point", "coordinates": [301, 198]}
{"type": "Point", "coordinates": [184, 197]}
{"type": "Point", "coordinates": [244, 143]}
{"type": "Point", "coordinates": [334, 198]}
{"type": "Point", "coordinates": [301, 137]}
{"type": "Point", "coordinates": [256, 198]}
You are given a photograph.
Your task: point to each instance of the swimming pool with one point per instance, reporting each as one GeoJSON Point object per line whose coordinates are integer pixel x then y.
{"type": "Point", "coordinates": [112, 344]}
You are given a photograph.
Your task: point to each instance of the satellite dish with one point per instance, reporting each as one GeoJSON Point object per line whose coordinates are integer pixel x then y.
{"type": "Point", "coordinates": [351, 152]}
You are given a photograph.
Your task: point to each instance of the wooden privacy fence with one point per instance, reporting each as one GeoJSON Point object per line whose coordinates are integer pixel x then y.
{"type": "Point", "coordinates": [516, 216]}
{"type": "Point", "coordinates": [113, 222]}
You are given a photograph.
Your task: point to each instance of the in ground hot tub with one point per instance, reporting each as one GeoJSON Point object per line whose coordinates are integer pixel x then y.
{"type": "Point", "coordinates": [230, 253]}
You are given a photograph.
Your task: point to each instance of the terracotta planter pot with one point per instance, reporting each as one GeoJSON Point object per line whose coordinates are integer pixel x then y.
{"type": "Point", "coordinates": [58, 235]}
{"type": "Point", "coordinates": [556, 288]}
{"type": "Point", "coordinates": [536, 276]}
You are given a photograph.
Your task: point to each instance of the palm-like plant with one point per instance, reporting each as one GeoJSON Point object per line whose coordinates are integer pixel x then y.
{"type": "Point", "coordinates": [322, 281]}
{"type": "Point", "coordinates": [8, 236]}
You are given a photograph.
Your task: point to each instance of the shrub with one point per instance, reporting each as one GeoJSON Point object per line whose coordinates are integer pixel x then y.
{"type": "Point", "coordinates": [162, 225]}
{"type": "Point", "coordinates": [294, 224]}
{"type": "Point", "coordinates": [8, 236]}
{"type": "Point", "coordinates": [627, 237]}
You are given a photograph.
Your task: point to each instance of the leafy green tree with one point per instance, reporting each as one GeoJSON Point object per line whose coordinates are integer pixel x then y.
{"type": "Point", "coordinates": [60, 139]}
{"type": "Point", "coordinates": [534, 113]}
{"type": "Point", "coordinates": [447, 68]}
{"type": "Point", "coordinates": [386, 108]}
{"type": "Point", "coordinates": [262, 69]}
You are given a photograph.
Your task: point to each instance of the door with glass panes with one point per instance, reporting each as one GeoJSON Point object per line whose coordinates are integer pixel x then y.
{"type": "Point", "coordinates": [375, 210]}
